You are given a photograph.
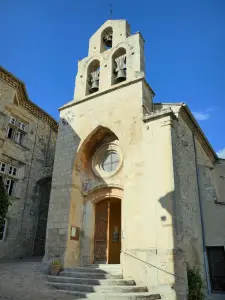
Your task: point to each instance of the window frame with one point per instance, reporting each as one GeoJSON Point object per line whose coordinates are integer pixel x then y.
{"type": "Point", "coordinates": [1, 163]}
{"type": "Point", "coordinates": [13, 169]}
{"type": "Point", "coordinates": [21, 127]}
{"type": "Point", "coordinates": [10, 120]}
{"type": "Point", "coordinates": [9, 175]}
{"type": "Point", "coordinates": [210, 267]}
{"type": "Point", "coordinates": [13, 182]}
{"type": "Point", "coordinates": [99, 156]}
{"type": "Point", "coordinates": [18, 135]}
{"type": "Point", "coordinates": [108, 161]}
{"type": "Point", "coordinates": [18, 129]}
{"type": "Point", "coordinates": [13, 132]}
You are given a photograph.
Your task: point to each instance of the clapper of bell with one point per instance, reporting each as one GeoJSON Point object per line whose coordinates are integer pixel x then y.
{"type": "Point", "coordinates": [108, 40]}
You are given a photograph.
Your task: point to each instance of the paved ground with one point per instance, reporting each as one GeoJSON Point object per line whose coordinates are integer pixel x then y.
{"type": "Point", "coordinates": [23, 280]}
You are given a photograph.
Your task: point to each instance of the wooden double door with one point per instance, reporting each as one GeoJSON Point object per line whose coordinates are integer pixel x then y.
{"type": "Point", "coordinates": [107, 231]}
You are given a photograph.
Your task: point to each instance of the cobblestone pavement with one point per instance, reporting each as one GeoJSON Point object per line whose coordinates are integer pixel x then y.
{"type": "Point", "coordinates": [23, 280]}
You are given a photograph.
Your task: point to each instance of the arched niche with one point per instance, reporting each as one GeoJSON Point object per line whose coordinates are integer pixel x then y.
{"type": "Point", "coordinates": [119, 66]}
{"type": "Point", "coordinates": [99, 136]}
{"type": "Point", "coordinates": [106, 39]}
{"type": "Point", "coordinates": [93, 73]}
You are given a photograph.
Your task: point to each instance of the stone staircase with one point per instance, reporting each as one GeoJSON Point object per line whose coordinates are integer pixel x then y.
{"type": "Point", "coordinates": [98, 282]}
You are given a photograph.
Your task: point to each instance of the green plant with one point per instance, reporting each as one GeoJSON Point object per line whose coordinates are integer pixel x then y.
{"type": "Point", "coordinates": [195, 284]}
{"type": "Point", "coordinates": [56, 262]}
{"type": "Point", "coordinates": [4, 201]}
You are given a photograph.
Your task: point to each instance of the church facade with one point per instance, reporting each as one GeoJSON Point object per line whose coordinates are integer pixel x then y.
{"type": "Point", "coordinates": [135, 182]}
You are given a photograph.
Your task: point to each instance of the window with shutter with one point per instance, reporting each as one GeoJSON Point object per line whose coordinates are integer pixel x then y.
{"type": "Point", "coordinates": [12, 121]}
{"type": "Point", "coordinates": [10, 133]}
{"type": "Point", "coordinates": [2, 167]}
{"type": "Point", "coordinates": [10, 176]}
{"type": "Point", "coordinates": [216, 260]}
{"type": "Point", "coordinates": [16, 130]}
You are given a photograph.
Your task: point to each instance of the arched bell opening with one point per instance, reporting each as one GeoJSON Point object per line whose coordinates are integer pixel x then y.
{"type": "Point", "coordinates": [93, 73]}
{"type": "Point", "coordinates": [106, 39]}
{"type": "Point", "coordinates": [119, 66]}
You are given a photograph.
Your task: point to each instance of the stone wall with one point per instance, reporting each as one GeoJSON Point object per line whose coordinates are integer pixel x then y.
{"type": "Point", "coordinates": [187, 196]}
{"type": "Point", "coordinates": [34, 160]}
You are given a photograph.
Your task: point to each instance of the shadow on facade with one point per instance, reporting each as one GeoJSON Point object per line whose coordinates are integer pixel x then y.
{"type": "Point", "coordinates": [177, 276]}
{"type": "Point", "coordinates": [43, 189]}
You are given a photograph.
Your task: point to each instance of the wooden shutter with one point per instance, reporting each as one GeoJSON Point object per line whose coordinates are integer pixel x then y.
{"type": "Point", "coordinates": [17, 188]}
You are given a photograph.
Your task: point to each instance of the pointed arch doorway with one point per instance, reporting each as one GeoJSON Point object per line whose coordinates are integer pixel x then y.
{"type": "Point", "coordinates": [107, 236]}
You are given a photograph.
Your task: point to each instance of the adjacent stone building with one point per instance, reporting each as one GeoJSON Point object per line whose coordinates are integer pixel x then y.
{"type": "Point", "coordinates": [135, 183]}
{"type": "Point", "coordinates": [27, 148]}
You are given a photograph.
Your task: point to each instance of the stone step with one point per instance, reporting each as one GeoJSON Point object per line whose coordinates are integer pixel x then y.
{"type": "Point", "coordinates": [90, 275]}
{"type": "Point", "coordinates": [90, 281]}
{"type": "Point", "coordinates": [103, 266]}
{"type": "Point", "coordinates": [98, 288]}
{"type": "Point", "coordinates": [112, 296]}
{"type": "Point", "coordinates": [109, 270]}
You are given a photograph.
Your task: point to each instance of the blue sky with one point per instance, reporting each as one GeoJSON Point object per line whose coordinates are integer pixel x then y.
{"type": "Point", "coordinates": [41, 41]}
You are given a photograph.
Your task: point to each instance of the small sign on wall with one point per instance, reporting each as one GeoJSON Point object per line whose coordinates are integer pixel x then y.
{"type": "Point", "coordinates": [75, 233]}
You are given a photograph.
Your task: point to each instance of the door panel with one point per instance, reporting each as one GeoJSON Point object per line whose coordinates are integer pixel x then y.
{"type": "Point", "coordinates": [115, 231]}
{"type": "Point", "coordinates": [101, 227]}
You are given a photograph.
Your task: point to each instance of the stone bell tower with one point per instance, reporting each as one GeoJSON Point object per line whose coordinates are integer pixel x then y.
{"type": "Point", "coordinates": [115, 59]}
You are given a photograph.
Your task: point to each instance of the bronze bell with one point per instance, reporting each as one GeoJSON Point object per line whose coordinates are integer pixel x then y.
{"type": "Point", "coordinates": [121, 76]}
{"type": "Point", "coordinates": [108, 40]}
{"type": "Point", "coordinates": [94, 86]}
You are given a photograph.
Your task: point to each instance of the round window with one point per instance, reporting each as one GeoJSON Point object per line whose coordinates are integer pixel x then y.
{"type": "Point", "coordinates": [110, 161]}
{"type": "Point", "coordinates": [107, 160]}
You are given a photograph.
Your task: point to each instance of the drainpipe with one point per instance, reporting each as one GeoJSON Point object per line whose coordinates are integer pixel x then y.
{"type": "Point", "coordinates": [202, 220]}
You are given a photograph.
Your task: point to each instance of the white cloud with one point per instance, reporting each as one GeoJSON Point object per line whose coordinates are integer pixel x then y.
{"type": "Point", "coordinates": [201, 116]}
{"type": "Point", "coordinates": [221, 153]}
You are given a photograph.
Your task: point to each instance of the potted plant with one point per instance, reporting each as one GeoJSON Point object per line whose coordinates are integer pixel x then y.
{"type": "Point", "coordinates": [55, 267]}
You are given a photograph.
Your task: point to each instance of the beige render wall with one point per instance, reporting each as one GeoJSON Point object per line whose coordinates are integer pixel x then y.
{"type": "Point", "coordinates": [66, 195]}
{"type": "Point", "coordinates": [23, 213]}
{"type": "Point", "coordinates": [219, 179]}
{"type": "Point", "coordinates": [213, 211]}
{"type": "Point", "coordinates": [213, 207]}
{"type": "Point", "coordinates": [150, 204]}
{"type": "Point", "coordinates": [212, 199]}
